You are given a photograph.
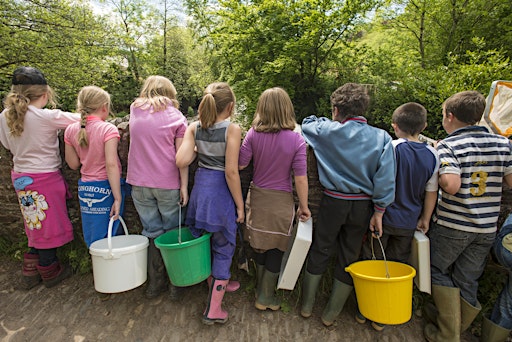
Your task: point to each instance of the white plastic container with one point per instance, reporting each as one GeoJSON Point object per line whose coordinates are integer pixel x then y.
{"type": "Point", "coordinates": [294, 257]}
{"type": "Point", "coordinates": [420, 260]}
{"type": "Point", "coordinates": [119, 263]}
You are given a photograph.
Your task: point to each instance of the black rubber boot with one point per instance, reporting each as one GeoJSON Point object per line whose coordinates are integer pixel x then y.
{"type": "Point", "coordinates": [158, 281]}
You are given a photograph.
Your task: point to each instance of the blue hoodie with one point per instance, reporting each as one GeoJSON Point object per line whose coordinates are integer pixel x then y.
{"type": "Point", "coordinates": [355, 160]}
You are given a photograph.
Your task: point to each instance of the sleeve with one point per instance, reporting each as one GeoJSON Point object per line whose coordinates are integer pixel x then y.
{"type": "Point", "coordinates": [111, 132]}
{"type": "Point", "coordinates": [448, 162]}
{"type": "Point", "coordinates": [246, 149]}
{"type": "Point", "coordinates": [3, 135]}
{"type": "Point", "coordinates": [182, 127]}
{"type": "Point", "coordinates": [62, 119]}
{"type": "Point", "coordinates": [384, 178]}
{"type": "Point", "coordinates": [432, 184]}
{"type": "Point", "coordinates": [299, 163]}
{"type": "Point", "coordinates": [310, 130]}
{"type": "Point", "coordinates": [68, 135]}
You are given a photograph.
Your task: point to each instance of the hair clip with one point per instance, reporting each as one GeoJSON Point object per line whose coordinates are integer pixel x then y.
{"type": "Point", "coordinates": [82, 126]}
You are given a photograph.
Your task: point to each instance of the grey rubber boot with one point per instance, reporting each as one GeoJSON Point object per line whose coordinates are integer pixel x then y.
{"type": "Point", "coordinates": [310, 284]}
{"type": "Point", "coordinates": [339, 294]}
{"type": "Point", "coordinates": [266, 292]}
{"type": "Point", "coordinates": [491, 332]}
{"type": "Point", "coordinates": [468, 314]}
{"type": "Point", "coordinates": [447, 300]}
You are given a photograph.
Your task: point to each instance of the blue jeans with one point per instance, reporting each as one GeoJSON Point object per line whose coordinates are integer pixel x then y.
{"type": "Point", "coordinates": [502, 311]}
{"type": "Point", "coordinates": [458, 259]}
{"type": "Point", "coordinates": [158, 209]}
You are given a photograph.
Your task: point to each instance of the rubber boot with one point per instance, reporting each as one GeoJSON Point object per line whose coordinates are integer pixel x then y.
{"type": "Point", "coordinates": [447, 301]}
{"type": "Point", "coordinates": [232, 286]}
{"type": "Point", "coordinates": [214, 312]}
{"type": "Point", "coordinates": [310, 284]}
{"type": "Point", "coordinates": [468, 313]}
{"type": "Point", "coordinates": [54, 274]}
{"type": "Point", "coordinates": [266, 292]}
{"type": "Point", "coordinates": [30, 275]}
{"type": "Point", "coordinates": [158, 281]}
{"type": "Point", "coordinates": [491, 332]}
{"type": "Point", "coordinates": [339, 294]}
{"type": "Point", "coordinates": [430, 313]}
{"type": "Point", "coordinates": [260, 269]}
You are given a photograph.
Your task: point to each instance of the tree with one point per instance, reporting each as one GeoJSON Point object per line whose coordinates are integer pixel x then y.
{"type": "Point", "coordinates": [294, 44]}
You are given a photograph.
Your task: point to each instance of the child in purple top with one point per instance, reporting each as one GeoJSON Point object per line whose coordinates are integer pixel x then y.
{"type": "Point", "coordinates": [270, 205]}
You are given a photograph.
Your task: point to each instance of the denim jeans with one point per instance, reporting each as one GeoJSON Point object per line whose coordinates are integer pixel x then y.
{"type": "Point", "coordinates": [502, 311]}
{"type": "Point", "coordinates": [458, 259]}
{"type": "Point", "coordinates": [158, 209]}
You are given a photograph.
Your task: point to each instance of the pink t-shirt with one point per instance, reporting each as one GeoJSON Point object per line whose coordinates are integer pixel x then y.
{"type": "Point", "coordinates": [275, 156]}
{"type": "Point", "coordinates": [152, 155]}
{"type": "Point", "coordinates": [37, 149]}
{"type": "Point", "coordinates": [92, 157]}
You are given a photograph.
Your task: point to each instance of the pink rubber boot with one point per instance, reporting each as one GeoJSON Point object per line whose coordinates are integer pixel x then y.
{"type": "Point", "coordinates": [214, 312]}
{"type": "Point", "coordinates": [232, 286]}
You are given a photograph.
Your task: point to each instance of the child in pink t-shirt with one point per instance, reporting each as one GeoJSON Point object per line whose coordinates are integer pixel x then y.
{"type": "Point", "coordinates": [92, 144]}
{"type": "Point", "coordinates": [159, 188]}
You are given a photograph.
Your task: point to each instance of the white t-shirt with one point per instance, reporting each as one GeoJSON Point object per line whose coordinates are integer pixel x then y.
{"type": "Point", "coordinates": [37, 149]}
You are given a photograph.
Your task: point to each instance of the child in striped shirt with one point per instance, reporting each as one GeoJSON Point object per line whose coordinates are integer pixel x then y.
{"type": "Point", "coordinates": [473, 165]}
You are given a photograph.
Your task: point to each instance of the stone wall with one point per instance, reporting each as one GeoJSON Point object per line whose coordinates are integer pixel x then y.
{"type": "Point", "coordinates": [11, 222]}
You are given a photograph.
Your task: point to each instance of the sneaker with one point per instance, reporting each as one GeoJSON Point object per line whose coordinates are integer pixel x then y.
{"type": "Point", "coordinates": [360, 318]}
{"type": "Point", "coordinates": [378, 326]}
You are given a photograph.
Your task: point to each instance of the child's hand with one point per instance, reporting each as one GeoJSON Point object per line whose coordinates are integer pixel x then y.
{"type": "Point", "coordinates": [116, 208]}
{"type": "Point", "coordinates": [376, 224]}
{"type": "Point", "coordinates": [183, 197]}
{"type": "Point", "coordinates": [240, 215]}
{"type": "Point", "coordinates": [304, 214]}
{"type": "Point", "coordinates": [423, 225]}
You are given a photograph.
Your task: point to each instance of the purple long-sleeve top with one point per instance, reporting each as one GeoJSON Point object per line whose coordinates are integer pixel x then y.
{"type": "Point", "coordinates": [275, 156]}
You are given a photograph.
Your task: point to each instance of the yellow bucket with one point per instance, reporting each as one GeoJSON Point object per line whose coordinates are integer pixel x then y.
{"type": "Point", "coordinates": [383, 299]}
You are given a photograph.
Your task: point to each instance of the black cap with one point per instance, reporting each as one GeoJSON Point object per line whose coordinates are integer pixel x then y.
{"type": "Point", "coordinates": [28, 75]}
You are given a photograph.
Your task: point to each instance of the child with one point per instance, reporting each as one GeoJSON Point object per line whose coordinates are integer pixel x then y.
{"type": "Point", "coordinates": [497, 327]}
{"type": "Point", "coordinates": [30, 132]}
{"type": "Point", "coordinates": [270, 204]}
{"type": "Point", "coordinates": [356, 166]}
{"type": "Point", "coordinates": [157, 128]}
{"type": "Point", "coordinates": [416, 190]}
{"type": "Point", "coordinates": [217, 188]}
{"type": "Point", "coordinates": [92, 144]}
{"type": "Point", "coordinates": [474, 164]}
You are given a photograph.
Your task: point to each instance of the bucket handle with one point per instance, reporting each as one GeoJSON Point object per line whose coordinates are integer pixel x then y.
{"type": "Point", "coordinates": [383, 254]}
{"type": "Point", "coordinates": [179, 226]}
{"type": "Point", "coordinates": [109, 234]}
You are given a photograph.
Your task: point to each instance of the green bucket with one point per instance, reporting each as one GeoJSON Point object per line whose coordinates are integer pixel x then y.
{"type": "Point", "coordinates": [188, 261]}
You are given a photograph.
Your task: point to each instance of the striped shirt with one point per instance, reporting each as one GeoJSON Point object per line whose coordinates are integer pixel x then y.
{"type": "Point", "coordinates": [482, 160]}
{"type": "Point", "coordinates": [211, 146]}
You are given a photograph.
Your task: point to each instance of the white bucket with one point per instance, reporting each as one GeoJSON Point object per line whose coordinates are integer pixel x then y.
{"type": "Point", "coordinates": [119, 263]}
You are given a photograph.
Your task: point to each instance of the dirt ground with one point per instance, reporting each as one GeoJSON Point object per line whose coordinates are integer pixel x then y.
{"type": "Point", "coordinates": [72, 311]}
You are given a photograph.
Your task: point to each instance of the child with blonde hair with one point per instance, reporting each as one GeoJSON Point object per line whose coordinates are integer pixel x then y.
{"type": "Point", "coordinates": [92, 144]}
{"type": "Point", "coordinates": [157, 128]}
{"type": "Point", "coordinates": [216, 203]}
{"type": "Point", "coordinates": [270, 204]}
{"type": "Point", "coordinates": [30, 133]}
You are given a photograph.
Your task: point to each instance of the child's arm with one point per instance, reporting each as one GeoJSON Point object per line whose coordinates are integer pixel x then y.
{"type": "Point", "coordinates": [508, 179]}
{"type": "Point", "coordinates": [234, 138]}
{"type": "Point", "coordinates": [71, 157]}
{"type": "Point", "coordinates": [183, 178]}
{"type": "Point", "coordinates": [186, 154]}
{"type": "Point", "coordinates": [429, 204]}
{"type": "Point", "coordinates": [114, 176]}
{"type": "Point", "coordinates": [301, 185]}
{"type": "Point", "coordinates": [450, 182]}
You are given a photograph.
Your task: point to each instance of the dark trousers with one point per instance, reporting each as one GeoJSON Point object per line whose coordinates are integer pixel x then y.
{"type": "Point", "coordinates": [271, 259]}
{"type": "Point", "coordinates": [46, 256]}
{"type": "Point", "coordinates": [395, 241]}
{"type": "Point", "coordinates": [340, 228]}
